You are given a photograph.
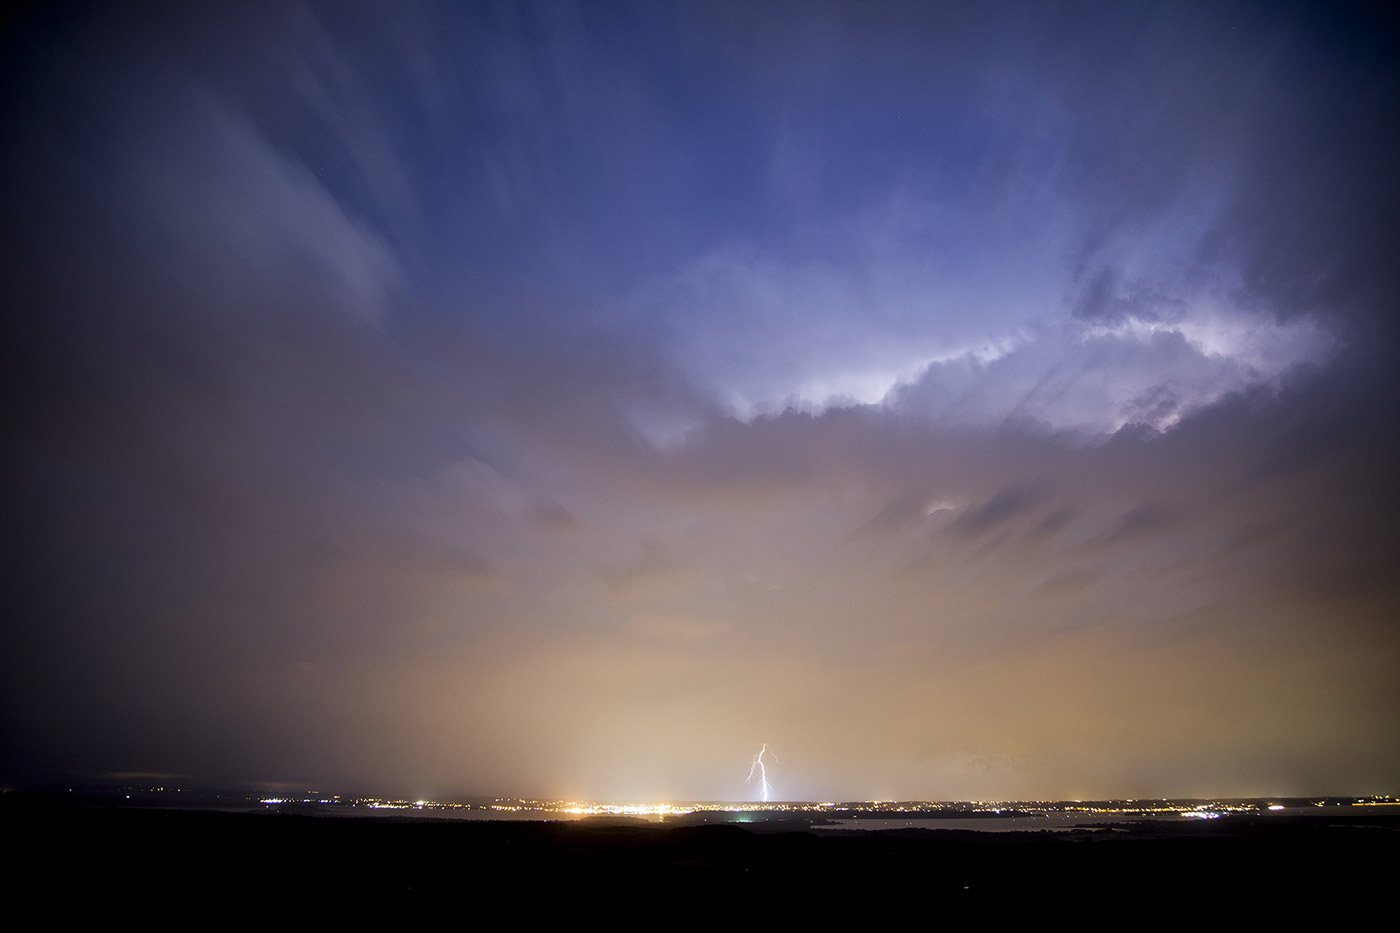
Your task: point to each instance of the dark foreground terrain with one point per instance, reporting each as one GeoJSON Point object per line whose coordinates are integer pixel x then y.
{"type": "Point", "coordinates": [90, 861]}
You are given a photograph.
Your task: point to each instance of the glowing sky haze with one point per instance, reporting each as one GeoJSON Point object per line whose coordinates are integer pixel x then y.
{"type": "Point", "coordinates": [968, 400]}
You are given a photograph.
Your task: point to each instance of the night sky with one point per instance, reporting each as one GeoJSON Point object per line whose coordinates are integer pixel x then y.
{"type": "Point", "coordinates": [984, 400]}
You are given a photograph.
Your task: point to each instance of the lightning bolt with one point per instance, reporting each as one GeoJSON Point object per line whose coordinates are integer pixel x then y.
{"type": "Point", "coordinates": [757, 769]}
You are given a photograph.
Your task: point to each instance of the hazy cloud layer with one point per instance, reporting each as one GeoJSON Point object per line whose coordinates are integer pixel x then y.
{"type": "Point", "coordinates": [567, 400]}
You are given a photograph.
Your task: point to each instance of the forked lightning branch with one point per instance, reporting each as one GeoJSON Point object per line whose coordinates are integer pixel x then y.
{"type": "Point", "coordinates": [758, 772]}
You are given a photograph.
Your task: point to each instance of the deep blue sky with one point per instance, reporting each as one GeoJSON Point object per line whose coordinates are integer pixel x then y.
{"type": "Point", "coordinates": [538, 398]}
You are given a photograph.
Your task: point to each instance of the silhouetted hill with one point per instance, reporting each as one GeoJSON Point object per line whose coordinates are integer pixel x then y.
{"type": "Point", "coordinates": [89, 862]}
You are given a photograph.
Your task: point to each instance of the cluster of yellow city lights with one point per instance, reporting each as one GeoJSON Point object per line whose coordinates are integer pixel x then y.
{"type": "Point", "coordinates": [574, 808]}
{"type": "Point", "coordinates": [529, 808]}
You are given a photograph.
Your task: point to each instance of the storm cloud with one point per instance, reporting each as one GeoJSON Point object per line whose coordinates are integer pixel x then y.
{"type": "Point", "coordinates": [567, 400]}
